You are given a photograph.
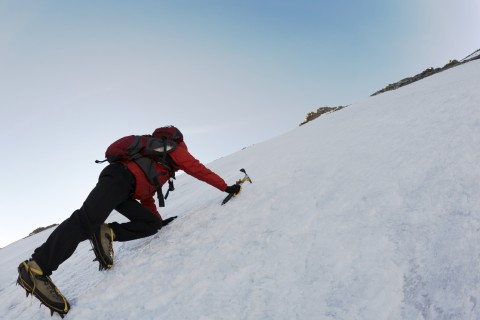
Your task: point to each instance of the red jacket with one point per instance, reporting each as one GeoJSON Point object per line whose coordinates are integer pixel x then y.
{"type": "Point", "coordinates": [183, 160]}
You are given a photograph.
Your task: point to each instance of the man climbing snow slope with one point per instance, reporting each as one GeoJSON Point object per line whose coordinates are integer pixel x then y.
{"type": "Point", "coordinates": [124, 181]}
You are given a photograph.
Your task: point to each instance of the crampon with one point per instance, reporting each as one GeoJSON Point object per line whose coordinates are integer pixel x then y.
{"type": "Point", "coordinates": [41, 286]}
{"type": "Point", "coordinates": [102, 247]}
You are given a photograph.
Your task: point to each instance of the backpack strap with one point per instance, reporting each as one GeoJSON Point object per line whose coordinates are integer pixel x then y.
{"type": "Point", "coordinates": [171, 187]}
{"type": "Point", "coordinates": [148, 167]}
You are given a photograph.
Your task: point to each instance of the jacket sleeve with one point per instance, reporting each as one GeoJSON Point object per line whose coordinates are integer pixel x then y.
{"type": "Point", "coordinates": [186, 162]}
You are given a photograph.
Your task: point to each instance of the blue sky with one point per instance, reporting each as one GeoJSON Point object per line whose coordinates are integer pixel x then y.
{"type": "Point", "coordinates": [75, 76]}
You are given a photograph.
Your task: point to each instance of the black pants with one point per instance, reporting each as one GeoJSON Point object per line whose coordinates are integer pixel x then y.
{"type": "Point", "coordinates": [113, 190]}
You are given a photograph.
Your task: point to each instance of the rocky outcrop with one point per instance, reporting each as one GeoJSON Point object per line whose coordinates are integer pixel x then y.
{"type": "Point", "coordinates": [38, 230]}
{"type": "Point", "coordinates": [428, 72]}
{"type": "Point", "coordinates": [322, 110]}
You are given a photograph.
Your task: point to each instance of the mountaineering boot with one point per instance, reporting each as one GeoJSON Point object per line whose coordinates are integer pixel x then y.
{"type": "Point", "coordinates": [102, 243]}
{"type": "Point", "coordinates": [32, 279]}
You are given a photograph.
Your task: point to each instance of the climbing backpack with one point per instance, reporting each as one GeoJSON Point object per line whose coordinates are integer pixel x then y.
{"type": "Point", "coordinates": [145, 150]}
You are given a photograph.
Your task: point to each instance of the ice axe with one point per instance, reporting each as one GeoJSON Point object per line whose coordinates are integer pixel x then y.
{"type": "Point", "coordinates": [239, 182]}
{"type": "Point", "coordinates": [246, 178]}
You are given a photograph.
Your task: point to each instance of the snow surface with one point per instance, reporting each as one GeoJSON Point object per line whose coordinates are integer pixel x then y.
{"type": "Point", "coordinates": [371, 212]}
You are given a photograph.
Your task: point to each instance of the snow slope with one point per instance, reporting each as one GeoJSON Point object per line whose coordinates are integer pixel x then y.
{"type": "Point", "coordinates": [372, 212]}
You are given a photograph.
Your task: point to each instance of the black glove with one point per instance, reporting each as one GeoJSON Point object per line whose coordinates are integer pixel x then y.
{"type": "Point", "coordinates": [168, 220]}
{"type": "Point", "coordinates": [233, 189]}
